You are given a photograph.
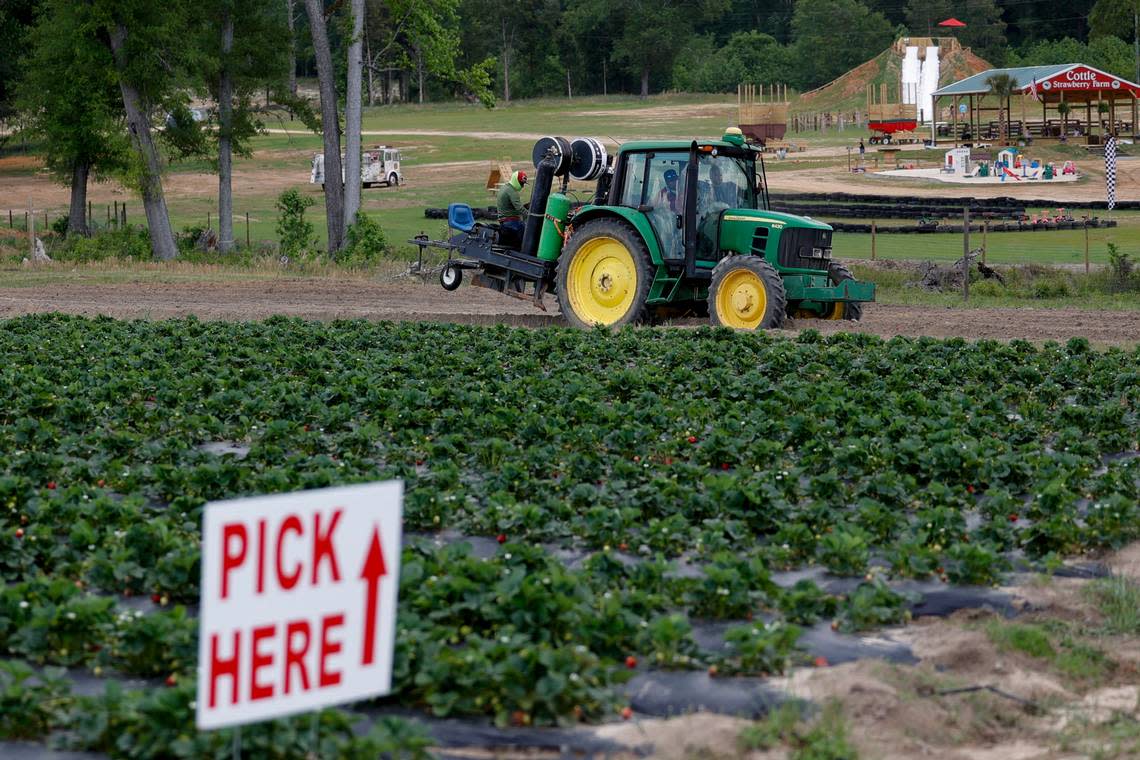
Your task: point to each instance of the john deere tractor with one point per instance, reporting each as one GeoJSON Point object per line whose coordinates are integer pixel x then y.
{"type": "Point", "coordinates": [673, 228]}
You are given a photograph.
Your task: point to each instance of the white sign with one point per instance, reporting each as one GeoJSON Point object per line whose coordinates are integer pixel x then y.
{"type": "Point", "coordinates": [298, 601]}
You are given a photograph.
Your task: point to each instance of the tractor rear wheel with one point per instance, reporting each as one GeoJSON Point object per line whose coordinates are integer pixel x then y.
{"type": "Point", "coordinates": [604, 275]}
{"type": "Point", "coordinates": [746, 293]}
{"type": "Point", "coordinates": [837, 273]}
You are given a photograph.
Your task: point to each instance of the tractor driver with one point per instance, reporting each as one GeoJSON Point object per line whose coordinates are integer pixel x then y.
{"type": "Point", "coordinates": [511, 211]}
{"type": "Point", "coordinates": [671, 195]}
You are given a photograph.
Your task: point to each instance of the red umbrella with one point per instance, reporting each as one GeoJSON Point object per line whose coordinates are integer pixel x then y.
{"type": "Point", "coordinates": [951, 22]}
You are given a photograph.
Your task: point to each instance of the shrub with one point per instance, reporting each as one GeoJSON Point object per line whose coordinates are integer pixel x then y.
{"type": "Point", "coordinates": [129, 243]}
{"type": "Point", "coordinates": [1122, 267]}
{"type": "Point", "coordinates": [366, 242]}
{"type": "Point", "coordinates": [294, 233]}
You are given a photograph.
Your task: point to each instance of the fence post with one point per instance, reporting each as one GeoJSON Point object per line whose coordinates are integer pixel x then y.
{"type": "Point", "coordinates": [207, 220]}
{"type": "Point", "coordinates": [872, 240]}
{"type": "Point", "coordinates": [90, 221]}
{"type": "Point", "coordinates": [966, 254]}
{"type": "Point", "coordinates": [247, 230]}
{"type": "Point", "coordinates": [1087, 245]}
{"type": "Point", "coordinates": [31, 231]}
{"type": "Point", "coordinates": [124, 213]}
{"type": "Point", "coordinates": [10, 219]}
{"type": "Point", "coordinates": [108, 217]}
{"type": "Point", "coordinates": [985, 238]}
{"type": "Point", "coordinates": [116, 214]}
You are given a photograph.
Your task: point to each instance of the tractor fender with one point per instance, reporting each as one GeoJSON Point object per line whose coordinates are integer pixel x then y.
{"type": "Point", "coordinates": [635, 218]}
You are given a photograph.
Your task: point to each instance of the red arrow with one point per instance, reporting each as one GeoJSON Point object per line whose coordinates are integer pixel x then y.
{"type": "Point", "coordinates": [372, 572]}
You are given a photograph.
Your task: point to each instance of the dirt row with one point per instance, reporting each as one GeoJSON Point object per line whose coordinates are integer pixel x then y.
{"type": "Point", "coordinates": [323, 298]}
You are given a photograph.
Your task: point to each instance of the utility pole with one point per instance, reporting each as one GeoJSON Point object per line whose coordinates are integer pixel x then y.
{"type": "Point", "coordinates": [1136, 42]}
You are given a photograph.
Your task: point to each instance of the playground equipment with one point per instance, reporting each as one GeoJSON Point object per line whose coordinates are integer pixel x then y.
{"type": "Point", "coordinates": [887, 120]}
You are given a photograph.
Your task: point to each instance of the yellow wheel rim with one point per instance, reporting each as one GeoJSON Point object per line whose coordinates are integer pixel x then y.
{"type": "Point", "coordinates": [602, 281]}
{"type": "Point", "coordinates": [836, 311]}
{"type": "Point", "coordinates": [741, 300]}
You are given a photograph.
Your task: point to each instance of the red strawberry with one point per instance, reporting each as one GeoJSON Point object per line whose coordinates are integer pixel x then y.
{"type": "Point", "coordinates": [1013, 518]}
{"type": "Point", "coordinates": [821, 662]}
{"type": "Point", "coordinates": [626, 713]}
{"type": "Point", "coordinates": [692, 439]}
{"type": "Point", "coordinates": [712, 671]}
{"type": "Point", "coordinates": [156, 598]}
{"type": "Point", "coordinates": [631, 662]}
{"type": "Point", "coordinates": [419, 463]}
{"type": "Point", "coordinates": [501, 538]}
{"type": "Point", "coordinates": [171, 680]}
{"type": "Point", "coordinates": [19, 532]}
{"type": "Point", "coordinates": [623, 546]}
{"type": "Point", "coordinates": [668, 460]}
{"type": "Point", "coordinates": [51, 485]}
{"type": "Point", "coordinates": [100, 482]}
{"type": "Point", "coordinates": [636, 458]}
{"type": "Point", "coordinates": [724, 465]}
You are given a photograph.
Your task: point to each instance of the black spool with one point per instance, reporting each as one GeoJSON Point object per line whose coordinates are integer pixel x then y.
{"type": "Point", "coordinates": [556, 147]}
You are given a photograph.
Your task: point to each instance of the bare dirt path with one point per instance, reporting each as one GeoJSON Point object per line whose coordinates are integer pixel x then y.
{"type": "Point", "coordinates": [325, 298]}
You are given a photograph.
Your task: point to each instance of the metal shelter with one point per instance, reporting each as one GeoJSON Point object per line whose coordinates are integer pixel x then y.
{"type": "Point", "coordinates": [1062, 102]}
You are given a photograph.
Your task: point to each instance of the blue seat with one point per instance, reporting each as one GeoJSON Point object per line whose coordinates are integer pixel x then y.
{"type": "Point", "coordinates": [459, 217]}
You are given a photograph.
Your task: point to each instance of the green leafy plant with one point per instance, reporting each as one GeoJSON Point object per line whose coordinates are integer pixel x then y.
{"type": "Point", "coordinates": [365, 242]}
{"type": "Point", "coordinates": [294, 233]}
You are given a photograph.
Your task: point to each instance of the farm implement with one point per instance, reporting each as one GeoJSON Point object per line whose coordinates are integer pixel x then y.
{"type": "Point", "coordinates": [673, 228]}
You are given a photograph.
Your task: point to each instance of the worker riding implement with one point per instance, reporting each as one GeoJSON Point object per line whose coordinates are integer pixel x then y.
{"type": "Point", "coordinates": [673, 228]}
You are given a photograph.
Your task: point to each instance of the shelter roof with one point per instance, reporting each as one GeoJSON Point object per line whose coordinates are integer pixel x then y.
{"type": "Point", "coordinates": [1074, 79]}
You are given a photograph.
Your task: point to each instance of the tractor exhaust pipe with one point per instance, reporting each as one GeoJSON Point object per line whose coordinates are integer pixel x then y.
{"type": "Point", "coordinates": [543, 179]}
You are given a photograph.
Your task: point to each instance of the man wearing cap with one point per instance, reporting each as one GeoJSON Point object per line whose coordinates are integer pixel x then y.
{"type": "Point", "coordinates": [670, 195]}
{"type": "Point", "coordinates": [511, 210]}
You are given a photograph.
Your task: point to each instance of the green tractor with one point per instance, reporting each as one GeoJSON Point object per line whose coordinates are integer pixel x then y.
{"type": "Point", "coordinates": [674, 228]}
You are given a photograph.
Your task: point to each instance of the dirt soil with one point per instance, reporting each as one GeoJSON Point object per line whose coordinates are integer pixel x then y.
{"type": "Point", "coordinates": [334, 298]}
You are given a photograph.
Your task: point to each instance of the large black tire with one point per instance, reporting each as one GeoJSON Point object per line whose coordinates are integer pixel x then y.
{"type": "Point", "coordinates": [837, 273]}
{"type": "Point", "coordinates": [747, 293]}
{"type": "Point", "coordinates": [603, 276]}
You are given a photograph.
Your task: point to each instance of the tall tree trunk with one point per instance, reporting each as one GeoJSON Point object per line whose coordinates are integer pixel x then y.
{"type": "Point", "coordinates": [352, 115]}
{"type": "Point", "coordinates": [292, 47]}
{"type": "Point", "coordinates": [420, 73]}
{"type": "Point", "coordinates": [77, 216]}
{"type": "Point", "coordinates": [371, 63]}
{"type": "Point", "coordinates": [506, 62]}
{"type": "Point", "coordinates": [330, 125]}
{"type": "Point", "coordinates": [154, 202]}
{"type": "Point", "coordinates": [225, 137]}
{"type": "Point", "coordinates": [645, 81]}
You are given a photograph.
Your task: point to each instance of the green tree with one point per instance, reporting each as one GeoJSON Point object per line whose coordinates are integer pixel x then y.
{"type": "Point", "coordinates": [70, 95]}
{"type": "Point", "coordinates": [984, 31]}
{"type": "Point", "coordinates": [746, 57]}
{"type": "Point", "coordinates": [1002, 87]}
{"type": "Point", "coordinates": [818, 25]}
{"type": "Point", "coordinates": [647, 35]}
{"type": "Point", "coordinates": [148, 43]}
{"type": "Point", "coordinates": [16, 20]}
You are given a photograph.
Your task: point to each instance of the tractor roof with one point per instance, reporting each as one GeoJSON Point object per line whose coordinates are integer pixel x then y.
{"type": "Point", "coordinates": [640, 145]}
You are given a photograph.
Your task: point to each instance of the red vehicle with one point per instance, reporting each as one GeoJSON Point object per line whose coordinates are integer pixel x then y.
{"type": "Point", "coordinates": [883, 129]}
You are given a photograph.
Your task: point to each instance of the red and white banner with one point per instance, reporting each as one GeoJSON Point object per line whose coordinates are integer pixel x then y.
{"type": "Point", "coordinates": [298, 602]}
{"type": "Point", "coordinates": [1085, 79]}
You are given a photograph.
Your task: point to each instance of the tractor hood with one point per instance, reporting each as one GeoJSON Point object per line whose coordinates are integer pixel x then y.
{"type": "Point", "coordinates": [772, 218]}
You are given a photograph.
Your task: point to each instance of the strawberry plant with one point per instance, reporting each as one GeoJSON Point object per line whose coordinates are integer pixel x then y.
{"type": "Point", "coordinates": [625, 482]}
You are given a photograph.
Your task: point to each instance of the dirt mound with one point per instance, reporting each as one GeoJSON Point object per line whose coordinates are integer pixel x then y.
{"type": "Point", "coordinates": [847, 91]}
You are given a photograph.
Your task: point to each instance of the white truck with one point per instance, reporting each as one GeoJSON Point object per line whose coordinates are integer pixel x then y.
{"type": "Point", "coordinates": [379, 165]}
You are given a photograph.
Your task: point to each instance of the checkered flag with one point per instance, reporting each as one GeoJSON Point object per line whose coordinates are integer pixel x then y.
{"type": "Point", "coordinates": [1110, 170]}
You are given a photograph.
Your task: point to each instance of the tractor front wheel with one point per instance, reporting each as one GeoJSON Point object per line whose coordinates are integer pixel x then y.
{"type": "Point", "coordinates": [603, 275]}
{"type": "Point", "coordinates": [746, 293]}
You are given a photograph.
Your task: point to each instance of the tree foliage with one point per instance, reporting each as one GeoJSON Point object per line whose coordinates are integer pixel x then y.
{"type": "Point", "coordinates": [819, 24]}
{"type": "Point", "coordinates": [984, 31]}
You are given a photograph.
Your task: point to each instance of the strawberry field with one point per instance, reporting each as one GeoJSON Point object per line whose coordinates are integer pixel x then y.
{"type": "Point", "coordinates": [583, 509]}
